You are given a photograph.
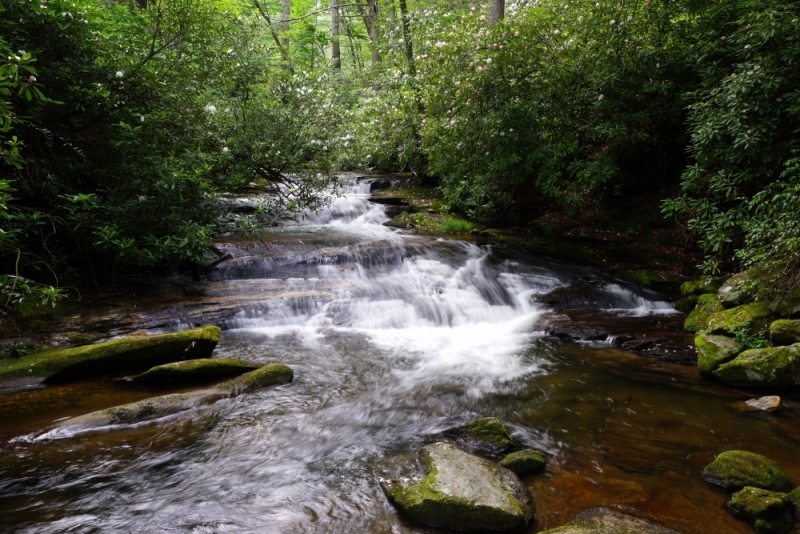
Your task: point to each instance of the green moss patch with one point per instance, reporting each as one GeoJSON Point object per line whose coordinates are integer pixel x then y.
{"type": "Point", "coordinates": [707, 305]}
{"type": "Point", "coordinates": [525, 462]}
{"type": "Point", "coordinates": [713, 351]}
{"type": "Point", "coordinates": [772, 367]}
{"type": "Point", "coordinates": [753, 318]}
{"type": "Point", "coordinates": [751, 285]}
{"type": "Point", "coordinates": [124, 354]}
{"type": "Point", "coordinates": [767, 511]}
{"type": "Point", "coordinates": [192, 371]}
{"type": "Point", "coordinates": [738, 469]}
{"type": "Point", "coordinates": [785, 332]}
{"type": "Point", "coordinates": [270, 375]}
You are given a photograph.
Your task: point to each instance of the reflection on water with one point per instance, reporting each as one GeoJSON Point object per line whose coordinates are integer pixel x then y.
{"type": "Point", "coordinates": [393, 339]}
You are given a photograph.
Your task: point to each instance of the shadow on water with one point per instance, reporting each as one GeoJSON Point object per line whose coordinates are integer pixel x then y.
{"type": "Point", "coordinates": [393, 339]}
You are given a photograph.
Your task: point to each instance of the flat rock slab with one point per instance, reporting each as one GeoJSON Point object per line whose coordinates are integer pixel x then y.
{"type": "Point", "coordinates": [605, 521]}
{"type": "Point", "coordinates": [462, 491]}
{"type": "Point", "coordinates": [201, 370]}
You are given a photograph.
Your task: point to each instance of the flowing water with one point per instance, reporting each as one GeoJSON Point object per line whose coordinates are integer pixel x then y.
{"type": "Point", "coordinates": [394, 338]}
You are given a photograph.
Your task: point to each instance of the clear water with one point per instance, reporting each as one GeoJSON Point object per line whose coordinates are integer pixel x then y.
{"type": "Point", "coordinates": [393, 338]}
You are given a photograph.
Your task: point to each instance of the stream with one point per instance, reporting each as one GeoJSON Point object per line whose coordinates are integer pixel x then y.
{"type": "Point", "coordinates": [393, 338]}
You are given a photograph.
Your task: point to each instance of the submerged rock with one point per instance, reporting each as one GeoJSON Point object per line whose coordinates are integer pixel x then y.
{"type": "Point", "coordinates": [485, 436]}
{"type": "Point", "coordinates": [462, 491]}
{"type": "Point", "coordinates": [191, 371]}
{"type": "Point", "coordinates": [156, 407]}
{"type": "Point", "coordinates": [773, 367]}
{"type": "Point", "coordinates": [713, 351]}
{"type": "Point", "coordinates": [525, 462]}
{"type": "Point", "coordinates": [785, 332]}
{"type": "Point", "coordinates": [738, 469]}
{"type": "Point", "coordinates": [605, 521]}
{"type": "Point", "coordinates": [124, 354]}
{"type": "Point", "coordinates": [753, 318]}
{"type": "Point", "coordinates": [764, 404]}
{"type": "Point", "coordinates": [751, 285]}
{"type": "Point", "coordinates": [767, 511]}
{"type": "Point", "coordinates": [698, 318]}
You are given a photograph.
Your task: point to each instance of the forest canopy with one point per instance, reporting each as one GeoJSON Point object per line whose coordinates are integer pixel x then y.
{"type": "Point", "coordinates": [124, 124]}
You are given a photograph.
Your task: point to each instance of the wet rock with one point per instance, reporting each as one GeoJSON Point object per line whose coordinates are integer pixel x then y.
{"type": "Point", "coordinates": [698, 318]}
{"type": "Point", "coordinates": [379, 184]}
{"type": "Point", "coordinates": [526, 462]}
{"type": "Point", "coordinates": [751, 285]}
{"type": "Point", "coordinates": [738, 469]}
{"type": "Point", "coordinates": [157, 407]}
{"type": "Point", "coordinates": [686, 304]}
{"type": "Point", "coordinates": [767, 511]}
{"type": "Point", "coordinates": [772, 367]}
{"type": "Point", "coordinates": [765, 404]}
{"type": "Point", "coordinates": [134, 352]}
{"type": "Point", "coordinates": [578, 296]}
{"type": "Point", "coordinates": [642, 344]}
{"type": "Point", "coordinates": [485, 436]}
{"type": "Point", "coordinates": [578, 332]}
{"type": "Point", "coordinates": [703, 286]}
{"type": "Point", "coordinates": [713, 351]}
{"type": "Point", "coordinates": [193, 371]}
{"type": "Point", "coordinates": [787, 304]}
{"type": "Point", "coordinates": [753, 318]}
{"type": "Point", "coordinates": [462, 491]}
{"type": "Point", "coordinates": [605, 521]}
{"type": "Point", "coordinates": [784, 331]}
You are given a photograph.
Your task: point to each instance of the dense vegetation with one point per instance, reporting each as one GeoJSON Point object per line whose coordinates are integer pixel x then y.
{"type": "Point", "coordinates": [125, 123]}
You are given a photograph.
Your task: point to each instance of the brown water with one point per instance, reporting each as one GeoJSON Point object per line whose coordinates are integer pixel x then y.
{"type": "Point", "coordinates": [393, 339]}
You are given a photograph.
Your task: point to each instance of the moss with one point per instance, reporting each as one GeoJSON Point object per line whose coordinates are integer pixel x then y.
{"type": "Point", "coordinates": [754, 318]}
{"type": "Point", "coordinates": [125, 354]}
{"type": "Point", "coordinates": [737, 469]}
{"type": "Point", "coordinates": [196, 370]}
{"type": "Point", "coordinates": [490, 430]}
{"type": "Point", "coordinates": [705, 285]}
{"type": "Point", "coordinates": [686, 305]}
{"type": "Point", "coordinates": [269, 375]}
{"type": "Point", "coordinates": [751, 285]}
{"type": "Point", "coordinates": [784, 332]}
{"type": "Point", "coordinates": [707, 305]}
{"type": "Point", "coordinates": [772, 367]}
{"type": "Point", "coordinates": [605, 521]}
{"type": "Point", "coordinates": [787, 304]}
{"type": "Point", "coordinates": [525, 462]}
{"type": "Point", "coordinates": [794, 498]}
{"type": "Point", "coordinates": [766, 510]}
{"type": "Point", "coordinates": [713, 351]}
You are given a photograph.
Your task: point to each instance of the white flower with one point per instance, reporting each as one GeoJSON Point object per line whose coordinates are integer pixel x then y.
{"type": "Point", "coordinates": [210, 108]}
{"type": "Point", "coordinates": [747, 46]}
{"type": "Point", "coordinates": [483, 17]}
{"type": "Point", "coordinates": [440, 44]}
{"type": "Point", "coordinates": [630, 18]}
{"type": "Point", "coordinates": [601, 97]}
{"type": "Point", "coordinates": [488, 60]}
{"type": "Point", "coordinates": [479, 69]}
{"type": "Point", "coordinates": [516, 34]}
{"type": "Point", "coordinates": [224, 149]}
{"type": "Point", "coordinates": [613, 21]}
{"type": "Point", "coordinates": [120, 74]}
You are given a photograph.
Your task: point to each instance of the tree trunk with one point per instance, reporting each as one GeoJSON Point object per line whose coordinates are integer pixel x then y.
{"type": "Point", "coordinates": [370, 16]}
{"type": "Point", "coordinates": [498, 11]}
{"type": "Point", "coordinates": [412, 69]}
{"type": "Point", "coordinates": [336, 53]}
{"type": "Point", "coordinates": [286, 13]}
{"type": "Point", "coordinates": [390, 9]}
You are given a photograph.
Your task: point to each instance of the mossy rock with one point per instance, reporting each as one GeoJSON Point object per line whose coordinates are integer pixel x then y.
{"type": "Point", "coordinates": [526, 462]}
{"type": "Point", "coordinates": [771, 367]}
{"type": "Point", "coordinates": [486, 436]}
{"type": "Point", "coordinates": [707, 305]}
{"type": "Point", "coordinates": [751, 285]}
{"type": "Point", "coordinates": [713, 351]}
{"type": "Point", "coordinates": [794, 498]}
{"type": "Point", "coordinates": [194, 371]}
{"type": "Point", "coordinates": [156, 407]}
{"type": "Point", "coordinates": [705, 285]}
{"type": "Point", "coordinates": [785, 331]}
{"type": "Point", "coordinates": [737, 469]}
{"type": "Point", "coordinates": [605, 521]}
{"type": "Point", "coordinates": [124, 354]}
{"type": "Point", "coordinates": [686, 304]}
{"type": "Point", "coordinates": [767, 511]}
{"type": "Point", "coordinates": [462, 491]}
{"type": "Point", "coordinates": [787, 304]}
{"type": "Point", "coordinates": [753, 318]}
{"type": "Point", "coordinates": [270, 375]}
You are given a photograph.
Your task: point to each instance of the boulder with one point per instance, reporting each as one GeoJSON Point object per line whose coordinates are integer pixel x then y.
{"type": "Point", "coordinates": [526, 462]}
{"type": "Point", "coordinates": [767, 511]}
{"type": "Point", "coordinates": [119, 355]}
{"type": "Point", "coordinates": [698, 318]}
{"type": "Point", "coordinates": [193, 371]}
{"type": "Point", "coordinates": [703, 286]}
{"type": "Point", "coordinates": [785, 332]}
{"type": "Point", "coordinates": [605, 521]}
{"type": "Point", "coordinates": [763, 404]}
{"type": "Point", "coordinates": [157, 407]}
{"type": "Point", "coordinates": [379, 184]}
{"type": "Point", "coordinates": [794, 498]}
{"type": "Point", "coordinates": [686, 304]}
{"type": "Point", "coordinates": [751, 318]}
{"type": "Point", "coordinates": [751, 285]}
{"type": "Point", "coordinates": [485, 436]}
{"type": "Point", "coordinates": [787, 304]}
{"type": "Point", "coordinates": [713, 351]}
{"type": "Point", "coordinates": [737, 469]}
{"type": "Point", "coordinates": [771, 367]}
{"type": "Point", "coordinates": [462, 491]}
